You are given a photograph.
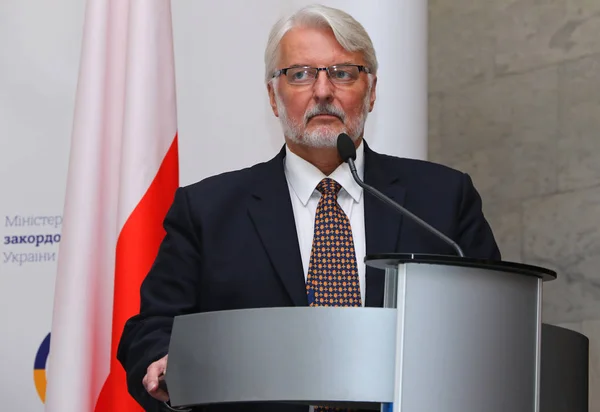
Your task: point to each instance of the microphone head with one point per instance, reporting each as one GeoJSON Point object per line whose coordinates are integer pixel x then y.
{"type": "Point", "coordinates": [345, 147]}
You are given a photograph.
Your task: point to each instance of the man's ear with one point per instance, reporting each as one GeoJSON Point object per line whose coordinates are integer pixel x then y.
{"type": "Point", "coordinates": [272, 101]}
{"type": "Point", "coordinates": [373, 95]}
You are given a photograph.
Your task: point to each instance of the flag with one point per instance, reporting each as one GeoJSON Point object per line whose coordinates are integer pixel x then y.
{"type": "Point", "coordinates": [123, 173]}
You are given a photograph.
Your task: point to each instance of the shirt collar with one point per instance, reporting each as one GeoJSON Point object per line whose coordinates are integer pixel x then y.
{"type": "Point", "coordinates": [304, 176]}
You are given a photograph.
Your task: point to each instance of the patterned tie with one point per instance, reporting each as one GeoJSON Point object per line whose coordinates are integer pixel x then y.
{"type": "Point", "coordinates": [332, 272]}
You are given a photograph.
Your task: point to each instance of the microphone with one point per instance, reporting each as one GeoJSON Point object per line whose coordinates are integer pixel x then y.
{"type": "Point", "coordinates": [347, 152]}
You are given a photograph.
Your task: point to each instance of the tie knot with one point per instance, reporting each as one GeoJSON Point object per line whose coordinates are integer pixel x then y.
{"type": "Point", "coordinates": [329, 186]}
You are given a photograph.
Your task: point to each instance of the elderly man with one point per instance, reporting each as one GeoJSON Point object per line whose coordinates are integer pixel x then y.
{"type": "Point", "coordinates": [321, 79]}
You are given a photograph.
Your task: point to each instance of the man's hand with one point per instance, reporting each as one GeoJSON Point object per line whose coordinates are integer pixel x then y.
{"type": "Point", "coordinates": [153, 376]}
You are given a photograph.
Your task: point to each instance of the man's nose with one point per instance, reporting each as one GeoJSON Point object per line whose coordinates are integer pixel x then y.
{"type": "Point", "coordinates": [323, 89]}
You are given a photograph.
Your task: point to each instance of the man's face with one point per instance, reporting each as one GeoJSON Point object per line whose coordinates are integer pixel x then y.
{"type": "Point", "coordinates": [315, 114]}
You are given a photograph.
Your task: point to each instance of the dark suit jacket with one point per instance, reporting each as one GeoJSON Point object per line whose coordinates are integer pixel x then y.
{"type": "Point", "coordinates": [231, 243]}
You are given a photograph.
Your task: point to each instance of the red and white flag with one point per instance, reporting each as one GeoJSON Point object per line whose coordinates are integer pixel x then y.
{"type": "Point", "coordinates": [123, 173]}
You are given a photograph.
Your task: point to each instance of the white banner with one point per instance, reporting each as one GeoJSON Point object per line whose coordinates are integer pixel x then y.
{"type": "Point", "coordinates": [224, 123]}
{"type": "Point", "coordinates": [40, 43]}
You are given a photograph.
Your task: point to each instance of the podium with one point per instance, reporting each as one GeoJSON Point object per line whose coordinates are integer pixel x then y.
{"type": "Point", "coordinates": [454, 335]}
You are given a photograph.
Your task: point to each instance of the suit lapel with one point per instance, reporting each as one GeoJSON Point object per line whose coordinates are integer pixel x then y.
{"type": "Point", "coordinates": [271, 211]}
{"type": "Point", "coordinates": [382, 223]}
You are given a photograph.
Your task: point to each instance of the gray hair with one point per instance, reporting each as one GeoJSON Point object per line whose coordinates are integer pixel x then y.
{"type": "Point", "coordinates": [349, 33]}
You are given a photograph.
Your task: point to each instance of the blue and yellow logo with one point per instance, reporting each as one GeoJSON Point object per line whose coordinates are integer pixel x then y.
{"type": "Point", "coordinates": [39, 368]}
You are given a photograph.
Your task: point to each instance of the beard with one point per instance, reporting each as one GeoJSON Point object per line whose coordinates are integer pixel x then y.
{"type": "Point", "coordinates": [324, 136]}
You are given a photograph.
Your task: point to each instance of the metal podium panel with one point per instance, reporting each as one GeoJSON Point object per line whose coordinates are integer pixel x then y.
{"type": "Point", "coordinates": [470, 340]}
{"type": "Point", "coordinates": [462, 339]}
{"type": "Point", "coordinates": [307, 355]}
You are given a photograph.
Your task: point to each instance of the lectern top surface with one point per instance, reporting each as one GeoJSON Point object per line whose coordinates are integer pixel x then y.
{"type": "Point", "coordinates": [392, 260]}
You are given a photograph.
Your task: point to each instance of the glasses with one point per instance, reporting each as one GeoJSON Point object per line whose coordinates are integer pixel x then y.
{"type": "Point", "coordinates": [306, 75]}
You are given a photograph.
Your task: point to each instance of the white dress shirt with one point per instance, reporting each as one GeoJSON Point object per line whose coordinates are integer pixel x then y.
{"type": "Point", "coordinates": [303, 178]}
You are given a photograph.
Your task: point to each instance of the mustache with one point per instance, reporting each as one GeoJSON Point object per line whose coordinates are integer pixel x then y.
{"type": "Point", "coordinates": [328, 109]}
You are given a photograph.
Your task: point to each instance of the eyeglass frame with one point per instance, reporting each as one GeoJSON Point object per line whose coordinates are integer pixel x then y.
{"type": "Point", "coordinates": [283, 71]}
